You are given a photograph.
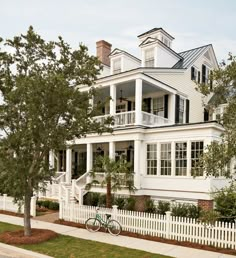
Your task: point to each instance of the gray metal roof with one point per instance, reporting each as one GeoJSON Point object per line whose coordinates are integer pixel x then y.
{"type": "Point", "coordinates": [190, 56]}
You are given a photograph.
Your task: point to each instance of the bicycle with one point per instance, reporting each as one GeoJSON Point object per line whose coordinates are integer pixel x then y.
{"type": "Point", "coordinates": [112, 225]}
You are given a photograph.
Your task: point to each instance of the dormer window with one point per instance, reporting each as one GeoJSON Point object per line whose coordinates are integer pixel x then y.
{"type": "Point", "coordinates": [149, 58]}
{"type": "Point", "coordinates": [165, 41]}
{"type": "Point", "coordinates": [117, 66]}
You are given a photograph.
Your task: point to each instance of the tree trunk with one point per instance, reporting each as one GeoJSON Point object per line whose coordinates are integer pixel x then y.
{"type": "Point", "coordinates": [27, 224]}
{"type": "Point", "coordinates": [108, 196]}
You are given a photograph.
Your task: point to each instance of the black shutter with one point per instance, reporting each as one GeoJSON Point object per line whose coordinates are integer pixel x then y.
{"type": "Point", "coordinates": [176, 109]}
{"type": "Point", "coordinates": [211, 82]}
{"type": "Point", "coordinates": [192, 73]}
{"type": "Point", "coordinates": [199, 77]}
{"type": "Point", "coordinates": [129, 105]}
{"type": "Point", "coordinates": [203, 74]}
{"type": "Point", "coordinates": [206, 115]}
{"type": "Point", "coordinates": [187, 111]}
{"type": "Point", "coordinates": [166, 97]}
{"type": "Point", "coordinates": [147, 105]}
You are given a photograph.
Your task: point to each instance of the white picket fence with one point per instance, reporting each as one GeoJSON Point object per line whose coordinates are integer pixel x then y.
{"type": "Point", "coordinates": [220, 234]}
{"type": "Point", "coordinates": [7, 204]}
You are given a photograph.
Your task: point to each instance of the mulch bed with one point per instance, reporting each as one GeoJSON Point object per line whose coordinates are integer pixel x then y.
{"type": "Point", "coordinates": [158, 239]}
{"type": "Point", "coordinates": [12, 213]}
{"type": "Point", "coordinates": [18, 238]}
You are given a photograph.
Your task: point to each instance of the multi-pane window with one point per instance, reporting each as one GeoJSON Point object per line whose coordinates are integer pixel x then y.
{"type": "Point", "coordinates": [116, 66]}
{"type": "Point", "coordinates": [151, 159]}
{"type": "Point", "coordinates": [158, 106]}
{"type": "Point", "coordinates": [181, 110]}
{"type": "Point", "coordinates": [149, 58]}
{"type": "Point", "coordinates": [196, 152]}
{"type": "Point", "coordinates": [166, 159]}
{"type": "Point", "coordinates": [181, 159]}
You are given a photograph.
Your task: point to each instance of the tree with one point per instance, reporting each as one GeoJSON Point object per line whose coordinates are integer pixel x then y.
{"type": "Point", "coordinates": [218, 155]}
{"type": "Point", "coordinates": [42, 109]}
{"type": "Point", "coordinates": [116, 174]}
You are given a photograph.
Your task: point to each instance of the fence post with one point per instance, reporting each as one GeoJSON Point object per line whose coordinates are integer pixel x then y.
{"type": "Point", "coordinates": [168, 224]}
{"type": "Point", "coordinates": [61, 207]}
{"type": "Point", "coordinates": [4, 202]}
{"type": "Point", "coordinates": [33, 206]}
{"type": "Point", "coordinates": [81, 197]}
{"type": "Point", "coordinates": [114, 211]}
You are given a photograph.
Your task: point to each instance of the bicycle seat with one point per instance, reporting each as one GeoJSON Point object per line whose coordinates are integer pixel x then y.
{"type": "Point", "coordinates": [108, 216]}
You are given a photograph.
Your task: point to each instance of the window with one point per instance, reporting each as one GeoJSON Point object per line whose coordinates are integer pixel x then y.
{"type": "Point", "coordinates": [149, 58]}
{"type": "Point", "coordinates": [205, 74]}
{"type": "Point", "coordinates": [181, 110]}
{"type": "Point", "coordinates": [181, 159]}
{"type": "Point", "coordinates": [158, 106]}
{"type": "Point", "coordinates": [196, 152]}
{"type": "Point", "coordinates": [193, 73]}
{"type": "Point", "coordinates": [151, 159]}
{"type": "Point", "coordinates": [166, 159]}
{"type": "Point", "coordinates": [116, 66]}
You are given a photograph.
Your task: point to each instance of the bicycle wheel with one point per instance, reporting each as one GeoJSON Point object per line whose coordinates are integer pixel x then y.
{"type": "Point", "coordinates": [114, 227]}
{"type": "Point", "coordinates": [92, 224]}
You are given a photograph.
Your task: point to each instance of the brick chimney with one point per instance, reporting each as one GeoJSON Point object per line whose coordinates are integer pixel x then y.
{"type": "Point", "coordinates": [103, 50]}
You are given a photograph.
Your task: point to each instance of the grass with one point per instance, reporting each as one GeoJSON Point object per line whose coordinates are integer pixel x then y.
{"type": "Point", "coordinates": [71, 247]}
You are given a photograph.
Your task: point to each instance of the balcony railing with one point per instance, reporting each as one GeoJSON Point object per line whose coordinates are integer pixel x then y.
{"type": "Point", "coordinates": [128, 119]}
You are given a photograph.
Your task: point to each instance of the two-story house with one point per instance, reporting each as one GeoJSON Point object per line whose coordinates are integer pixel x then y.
{"type": "Point", "coordinates": [158, 121]}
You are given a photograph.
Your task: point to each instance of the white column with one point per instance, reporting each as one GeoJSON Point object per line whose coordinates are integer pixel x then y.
{"type": "Point", "coordinates": [112, 100]}
{"type": "Point", "coordinates": [68, 165]}
{"type": "Point", "coordinates": [137, 164]}
{"type": "Point", "coordinates": [171, 108]}
{"type": "Point", "coordinates": [51, 159]}
{"type": "Point", "coordinates": [91, 103]}
{"type": "Point", "coordinates": [138, 101]}
{"type": "Point", "coordinates": [112, 150]}
{"type": "Point", "coordinates": [89, 162]}
{"type": "Point", "coordinates": [155, 57]}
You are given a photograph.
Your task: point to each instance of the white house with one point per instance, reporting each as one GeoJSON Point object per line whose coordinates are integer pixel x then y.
{"type": "Point", "coordinates": [160, 123]}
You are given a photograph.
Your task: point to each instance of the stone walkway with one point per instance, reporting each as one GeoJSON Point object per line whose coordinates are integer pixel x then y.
{"type": "Point", "coordinates": [123, 241]}
{"type": "Point", "coordinates": [51, 217]}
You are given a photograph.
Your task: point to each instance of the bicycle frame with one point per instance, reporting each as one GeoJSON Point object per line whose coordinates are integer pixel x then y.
{"type": "Point", "coordinates": [103, 222]}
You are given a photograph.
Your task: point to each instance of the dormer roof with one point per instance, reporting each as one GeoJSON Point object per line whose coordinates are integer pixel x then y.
{"type": "Point", "coordinates": [155, 30]}
{"type": "Point", "coordinates": [117, 51]}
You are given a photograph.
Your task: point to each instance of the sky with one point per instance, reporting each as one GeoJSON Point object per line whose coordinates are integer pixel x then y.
{"type": "Point", "coordinates": [192, 23]}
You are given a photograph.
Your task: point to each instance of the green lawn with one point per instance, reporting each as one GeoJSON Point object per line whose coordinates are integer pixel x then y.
{"type": "Point", "coordinates": [71, 247]}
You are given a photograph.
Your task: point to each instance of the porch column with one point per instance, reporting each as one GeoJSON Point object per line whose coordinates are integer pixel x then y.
{"type": "Point", "coordinates": [138, 101]}
{"type": "Point", "coordinates": [51, 159]}
{"type": "Point", "coordinates": [89, 161]}
{"type": "Point", "coordinates": [137, 163]}
{"type": "Point", "coordinates": [112, 150]}
{"type": "Point", "coordinates": [113, 99]}
{"type": "Point", "coordinates": [171, 108]}
{"type": "Point", "coordinates": [68, 165]}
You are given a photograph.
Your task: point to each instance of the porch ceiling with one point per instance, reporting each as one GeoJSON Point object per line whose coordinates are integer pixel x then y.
{"type": "Point", "coordinates": [128, 89]}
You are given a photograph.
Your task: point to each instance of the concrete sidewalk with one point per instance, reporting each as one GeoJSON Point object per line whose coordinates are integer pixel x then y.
{"type": "Point", "coordinates": [129, 242]}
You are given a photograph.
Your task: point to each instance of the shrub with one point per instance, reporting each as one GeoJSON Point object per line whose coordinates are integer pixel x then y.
{"type": "Point", "coordinates": [130, 204]}
{"type": "Point", "coordinates": [194, 211]}
{"type": "Point", "coordinates": [102, 200]}
{"type": "Point", "coordinates": [54, 206]}
{"type": "Point", "coordinates": [180, 210]}
{"type": "Point", "coordinates": [46, 204]}
{"type": "Point", "coordinates": [120, 202]}
{"type": "Point", "coordinates": [209, 217]}
{"type": "Point", "coordinates": [39, 203]}
{"type": "Point", "coordinates": [91, 199]}
{"type": "Point", "coordinates": [225, 203]}
{"type": "Point", "coordinates": [150, 206]}
{"type": "Point", "coordinates": [163, 207]}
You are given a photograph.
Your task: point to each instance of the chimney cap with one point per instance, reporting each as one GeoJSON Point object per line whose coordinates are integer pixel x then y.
{"type": "Point", "coordinates": [103, 43]}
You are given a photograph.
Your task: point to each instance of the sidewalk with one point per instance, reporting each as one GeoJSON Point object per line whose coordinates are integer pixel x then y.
{"type": "Point", "coordinates": [129, 242]}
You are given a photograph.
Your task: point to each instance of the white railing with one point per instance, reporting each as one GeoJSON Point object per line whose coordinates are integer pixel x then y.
{"type": "Point", "coordinates": [128, 118]}
{"type": "Point", "coordinates": [222, 235]}
{"type": "Point", "coordinates": [149, 119]}
{"type": "Point", "coordinates": [60, 177]}
{"type": "Point", "coordinates": [124, 118]}
{"type": "Point", "coordinates": [7, 204]}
